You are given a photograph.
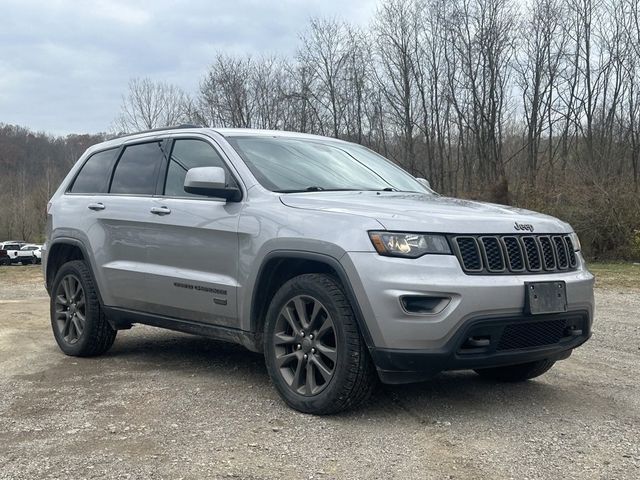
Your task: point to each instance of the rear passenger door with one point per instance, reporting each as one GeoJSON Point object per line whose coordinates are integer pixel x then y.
{"type": "Point", "coordinates": [193, 251]}
{"type": "Point", "coordinates": [125, 228]}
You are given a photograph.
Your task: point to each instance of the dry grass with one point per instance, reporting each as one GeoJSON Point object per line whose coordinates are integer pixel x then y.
{"type": "Point", "coordinates": [20, 274]}
{"type": "Point", "coordinates": [18, 282]}
{"type": "Point", "coordinates": [616, 275]}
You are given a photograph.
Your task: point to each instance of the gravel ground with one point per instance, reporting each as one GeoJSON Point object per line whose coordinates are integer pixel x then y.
{"type": "Point", "coordinates": [167, 405]}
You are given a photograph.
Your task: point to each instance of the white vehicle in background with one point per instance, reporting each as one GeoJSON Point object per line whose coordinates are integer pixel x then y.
{"type": "Point", "coordinates": [9, 251]}
{"type": "Point", "coordinates": [28, 254]}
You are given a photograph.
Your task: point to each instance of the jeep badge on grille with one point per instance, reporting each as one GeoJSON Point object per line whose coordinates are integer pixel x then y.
{"type": "Point", "coordinates": [523, 226]}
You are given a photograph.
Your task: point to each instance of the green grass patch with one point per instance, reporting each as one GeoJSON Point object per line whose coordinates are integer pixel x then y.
{"type": "Point", "coordinates": [616, 275]}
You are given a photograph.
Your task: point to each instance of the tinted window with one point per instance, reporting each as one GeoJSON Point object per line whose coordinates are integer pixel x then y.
{"type": "Point", "coordinates": [95, 173]}
{"type": "Point", "coordinates": [137, 170]}
{"type": "Point", "coordinates": [188, 154]}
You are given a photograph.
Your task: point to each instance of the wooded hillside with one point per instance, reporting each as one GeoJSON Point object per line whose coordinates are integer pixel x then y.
{"type": "Point", "coordinates": [31, 167]}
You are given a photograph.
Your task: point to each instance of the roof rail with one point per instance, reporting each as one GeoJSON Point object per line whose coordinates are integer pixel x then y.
{"type": "Point", "coordinates": [159, 129]}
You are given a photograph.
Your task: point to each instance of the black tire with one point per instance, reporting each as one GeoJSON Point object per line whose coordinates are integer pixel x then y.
{"type": "Point", "coordinates": [353, 373]}
{"type": "Point", "coordinates": [5, 262]}
{"type": "Point", "coordinates": [516, 373]}
{"type": "Point", "coordinates": [96, 335]}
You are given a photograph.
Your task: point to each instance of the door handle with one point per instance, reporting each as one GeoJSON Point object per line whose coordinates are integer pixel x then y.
{"type": "Point", "coordinates": [96, 206]}
{"type": "Point", "coordinates": [160, 210]}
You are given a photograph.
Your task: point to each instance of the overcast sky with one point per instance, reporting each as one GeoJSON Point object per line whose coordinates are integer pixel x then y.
{"type": "Point", "coordinates": [64, 65]}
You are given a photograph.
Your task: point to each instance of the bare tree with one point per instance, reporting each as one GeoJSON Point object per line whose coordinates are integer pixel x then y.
{"type": "Point", "coordinates": [395, 36]}
{"type": "Point", "coordinates": [325, 56]}
{"type": "Point", "coordinates": [538, 64]}
{"type": "Point", "coordinates": [358, 84]}
{"type": "Point", "coordinates": [225, 96]}
{"type": "Point", "coordinates": [150, 104]}
{"type": "Point", "coordinates": [632, 37]}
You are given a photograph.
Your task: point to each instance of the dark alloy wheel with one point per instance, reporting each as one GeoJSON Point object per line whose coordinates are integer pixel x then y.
{"type": "Point", "coordinates": [315, 355]}
{"type": "Point", "coordinates": [70, 308]}
{"type": "Point", "coordinates": [78, 322]}
{"type": "Point", "coordinates": [304, 342]}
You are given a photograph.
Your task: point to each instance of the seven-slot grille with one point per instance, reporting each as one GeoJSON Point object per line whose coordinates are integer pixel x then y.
{"type": "Point", "coordinates": [499, 254]}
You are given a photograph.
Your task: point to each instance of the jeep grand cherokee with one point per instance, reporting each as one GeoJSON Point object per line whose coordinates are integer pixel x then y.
{"type": "Point", "coordinates": [336, 263]}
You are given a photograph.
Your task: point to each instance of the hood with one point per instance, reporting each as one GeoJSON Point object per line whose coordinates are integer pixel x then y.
{"type": "Point", "coordinates": [428, 213]}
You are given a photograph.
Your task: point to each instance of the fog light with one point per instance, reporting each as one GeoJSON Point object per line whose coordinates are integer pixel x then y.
{"type": "Point", "coordinates": [424, 305]}
{"type": "Point", "coordinates": [481, 341]}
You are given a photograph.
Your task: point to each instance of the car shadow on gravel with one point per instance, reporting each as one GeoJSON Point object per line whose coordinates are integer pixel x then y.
{"type": "Point", "coordinates": [465, 393]}
{"type": "Point", "coordinates": [161, 349]}
{"type": "Point", "coordinates": [449, 395]}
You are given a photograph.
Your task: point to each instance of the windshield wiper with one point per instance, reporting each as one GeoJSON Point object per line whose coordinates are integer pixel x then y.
{"type": "Point", "coordinates": [317, 189]}
{"type": "Point", "coordinates": [385, 189]}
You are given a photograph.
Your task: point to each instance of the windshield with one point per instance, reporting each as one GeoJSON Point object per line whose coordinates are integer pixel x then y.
{"type": "Point", "coordinates": [303, 165]}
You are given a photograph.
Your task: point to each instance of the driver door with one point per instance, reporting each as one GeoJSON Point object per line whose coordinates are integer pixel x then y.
{"type": "Point", "coordinates": [194, 252]}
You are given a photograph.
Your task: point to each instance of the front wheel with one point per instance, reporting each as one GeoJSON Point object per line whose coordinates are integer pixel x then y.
{"type": "Point", "coordinates": [79, 325]}
{"type": "Point", "coordinates": [516, 373]}
{"type": "Point", "coordinates": [314, 352]}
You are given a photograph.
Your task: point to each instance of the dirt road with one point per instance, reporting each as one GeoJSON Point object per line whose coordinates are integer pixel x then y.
{"type": "Point", "coordinates": [167, 405]}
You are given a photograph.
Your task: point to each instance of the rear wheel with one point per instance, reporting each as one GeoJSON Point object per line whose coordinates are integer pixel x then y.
{"type": "Point", "coordinates": [314, 352]}
{"type": "Point", "coordinates": [517, 373]}
{"type": "Point", "coordinates": [79, 325]}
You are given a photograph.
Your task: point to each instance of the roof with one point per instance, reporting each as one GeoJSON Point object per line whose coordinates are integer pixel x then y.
{"type": "Point", "coordinates": [225, 132]}
{"type": "Point", "coordinates": [238, 132]}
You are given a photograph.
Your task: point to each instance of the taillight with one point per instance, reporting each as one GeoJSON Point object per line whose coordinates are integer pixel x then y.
{"type": "Point", "coordinates": [49, 205]}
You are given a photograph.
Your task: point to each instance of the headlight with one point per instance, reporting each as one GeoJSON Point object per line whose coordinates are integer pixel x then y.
{"type": "Point", "coordinates": [576, 241]}
{"type": "Point", "coordinates": [408, 245]}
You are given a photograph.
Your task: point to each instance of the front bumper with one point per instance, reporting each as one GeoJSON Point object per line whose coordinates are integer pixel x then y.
{"type": "Point", "coordinates": [509, 341]}
{"type": "Point", "coordinates": [428, 343]}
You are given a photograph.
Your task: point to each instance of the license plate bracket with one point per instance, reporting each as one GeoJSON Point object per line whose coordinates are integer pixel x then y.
{"type": "Point", "coordinates": [545, 297]}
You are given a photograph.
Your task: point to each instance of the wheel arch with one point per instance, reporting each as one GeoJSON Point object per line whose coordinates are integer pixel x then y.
{"type": "Point", "coordinates": [63, 250]}
{"type": "Point", "coordinates": [280, 266]}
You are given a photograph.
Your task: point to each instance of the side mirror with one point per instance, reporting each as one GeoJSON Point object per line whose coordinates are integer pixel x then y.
{"type": "Point", "coordinates": [212, 182]}
{"type": "Point", "coordinates": [425, 183]}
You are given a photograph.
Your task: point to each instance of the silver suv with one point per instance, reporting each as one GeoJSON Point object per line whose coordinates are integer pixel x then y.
{"type": "Point", "coordinates": [337, 264]}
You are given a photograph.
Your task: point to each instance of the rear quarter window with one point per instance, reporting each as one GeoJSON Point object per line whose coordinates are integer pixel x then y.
{"type": "Point", "coordinates": [95, 173]}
